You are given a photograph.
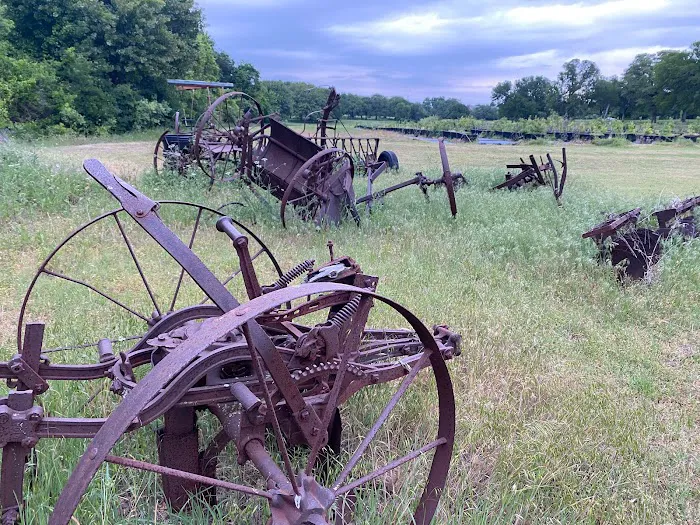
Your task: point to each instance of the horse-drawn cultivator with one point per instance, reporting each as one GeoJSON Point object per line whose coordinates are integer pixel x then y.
{"type": "Point", "coordinates": [313, 175]}
{"type": "Point", "coordinates": [633, 250]}
{"type": "Point", "coordinates": [284, 375]}
{"type": "Point", "coordinates": [533, 173]}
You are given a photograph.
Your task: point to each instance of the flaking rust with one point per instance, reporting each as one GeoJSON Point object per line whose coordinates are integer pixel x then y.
{"type": "Point", "coordinates": [259, 366]}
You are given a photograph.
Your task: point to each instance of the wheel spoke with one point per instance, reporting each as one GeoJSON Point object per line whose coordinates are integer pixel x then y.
{"type": "Point", "coordinates": [182, 270]}
{"type": "Point", "coordinates": [382, 418]}
{"type": "Point", "coordinates": [167, 471]}
{"type": "Point", "coordinates": [90, 287]}
{"type": "Point", "coordinates": [255, 358]}
{"type": "Point", "coordinates": [136, 262]}
{"type": "Point", "coordinates": [390, 466]}
{"type": "Point", "coordinates": [88, 345]}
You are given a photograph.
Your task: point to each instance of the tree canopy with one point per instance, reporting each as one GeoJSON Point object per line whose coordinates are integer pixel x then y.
{"type": "Point", "coordinates": [665, 84]}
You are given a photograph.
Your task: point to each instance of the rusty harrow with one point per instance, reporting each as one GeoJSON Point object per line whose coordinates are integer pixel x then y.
{"type": "Point", "coordinates": [290, 377]}
{"type": "Point", "coordinates": [633, 250]}
{"type": "Point", "coordinates": [533, 173]}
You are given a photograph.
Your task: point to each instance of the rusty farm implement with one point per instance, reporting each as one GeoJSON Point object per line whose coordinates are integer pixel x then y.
{"type": "Point", "coordinates": [633, 250]}
{"type": "Point", "coordinates": [312, 175]}
{"type": "Point", "coordinates": [298, 382]}
{"type": "Point", "coordinates": [227, 140]}
{"type": "Point", "coordinates": [534, 173]}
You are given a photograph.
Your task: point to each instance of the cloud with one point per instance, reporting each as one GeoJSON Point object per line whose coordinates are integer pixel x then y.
{"type": "Point", "coordinates": [580, 14]}
{"type": "Point", "coordinates": [431, 30]}
{"type": "Point", "coordinates": [610, 61]}
{"type": "Point", "coordinates": [425, 48]}
{"type": "Point", "coordinates": [291, 54]}
{"type": "Point", "coordinates": [246, 4]}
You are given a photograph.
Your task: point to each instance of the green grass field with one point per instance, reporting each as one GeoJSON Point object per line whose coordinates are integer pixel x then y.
{"type": "Point", "coordinates": [577, 398]}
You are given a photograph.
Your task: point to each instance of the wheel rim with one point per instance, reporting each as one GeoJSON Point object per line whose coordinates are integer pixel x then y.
{"type": "Point", "coordinates": [142, 281]}
{"type": "Point", "coordinates": [170, 158]}
{"type": "Point", "coordinates": [222, 144]}
{"type": "Point", "coordinates": [447, 178]}
{"type": "Point", "coordinates": [312, 181]}
{"type": "Point", "coordinates": [430, 357]}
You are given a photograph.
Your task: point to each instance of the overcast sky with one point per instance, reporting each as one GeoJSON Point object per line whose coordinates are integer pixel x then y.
{"type": "Point", "coordinates": [454, 48]}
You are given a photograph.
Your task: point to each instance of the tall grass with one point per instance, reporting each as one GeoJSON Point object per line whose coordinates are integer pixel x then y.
{"type": "Point", "coordinates": [576, 397]}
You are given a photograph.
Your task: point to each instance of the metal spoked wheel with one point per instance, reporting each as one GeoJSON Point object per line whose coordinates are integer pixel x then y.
{"type": "Point", "coordinates": [321, 189]}
{"type": "Point", "coordinates": [376, 382]}
{"type": "Point", "coordinates": [109, 279]}
{"type": "Point", "coordinates": [223, 141]}
{"type": "Point", "coordinates": [172, 154]}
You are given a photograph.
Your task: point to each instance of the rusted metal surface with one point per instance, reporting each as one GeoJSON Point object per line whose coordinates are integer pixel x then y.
{"type": "Point", "coordinates": [634, 250]}
{"type": "Point", "coordinates": [537, 173]}
{"type": "Point", "coordinates": [449, 180]}
{"type": "Point", "coordinates": [228, 140]}
{"type": "Point", "coordinates": [312, 175]}
{"type": "Point", "coordinates": [257, 364]}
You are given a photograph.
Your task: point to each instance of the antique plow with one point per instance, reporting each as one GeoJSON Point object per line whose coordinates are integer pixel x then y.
{"type": "Point", "coordinates": [275, 377]}
{"type": "Point", "coordinates": [533, 173]}
{"type": "Point", "coordinates": [633, 250]}
{"type": "Point", "coordinates": [338, 195]}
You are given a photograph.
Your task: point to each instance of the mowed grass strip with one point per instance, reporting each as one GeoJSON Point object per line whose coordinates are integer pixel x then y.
{"type": "Point", "coordinates": [577, 399]}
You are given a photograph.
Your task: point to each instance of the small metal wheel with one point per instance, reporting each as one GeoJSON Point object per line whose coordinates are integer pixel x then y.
{"type": "Point", "coordinates": [173, 153]}
{"type": "Point", "coordinates": [321, 189]}
{"type": "Point", "coordinates": [379, 379]}
{"type": "Point", "coordinates": [224, 136]}
{"type": "Point", "coordinates": [109, 279]}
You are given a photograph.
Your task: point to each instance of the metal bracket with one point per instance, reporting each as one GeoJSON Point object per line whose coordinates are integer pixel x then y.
{"type": "Point", "coordinates": [26, 374]}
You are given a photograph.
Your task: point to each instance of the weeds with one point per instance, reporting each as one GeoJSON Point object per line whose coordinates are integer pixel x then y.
{"type": "Point", "coordinates": [567, 409]}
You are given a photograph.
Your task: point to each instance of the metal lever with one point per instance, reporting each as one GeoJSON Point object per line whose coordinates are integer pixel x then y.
{"type": "Point", "coordinates": [240, 243]}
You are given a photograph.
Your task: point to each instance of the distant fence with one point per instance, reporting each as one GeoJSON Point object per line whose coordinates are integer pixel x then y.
{"type": "Point", "coordinates": [566, 136]}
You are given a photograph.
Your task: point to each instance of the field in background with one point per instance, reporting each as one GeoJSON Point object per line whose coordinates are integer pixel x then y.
{"type": "Point", "coordinates": [577, 399]}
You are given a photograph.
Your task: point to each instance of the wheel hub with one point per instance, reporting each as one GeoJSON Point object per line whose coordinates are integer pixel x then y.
{"type": "Point", "coordinates": [309, 507]}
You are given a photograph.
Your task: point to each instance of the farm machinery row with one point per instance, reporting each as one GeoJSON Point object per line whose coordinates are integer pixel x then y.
{"type": "Point", "coordinates": [273, 375]}
{"type": "Point", "coordinates": [311, 173]}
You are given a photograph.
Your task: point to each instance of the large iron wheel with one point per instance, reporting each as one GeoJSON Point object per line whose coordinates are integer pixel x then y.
{"type": "Point", "coordinates": [109, 279]}
{"type": "Point", "coordinates": [223, 142]}
{"type": "Point", "coordinates": [297, 491]}
{"type": "Point", "coordinates": [321, 189]}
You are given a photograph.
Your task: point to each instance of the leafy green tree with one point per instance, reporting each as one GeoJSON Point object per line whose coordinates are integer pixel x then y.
{"type": "Point", "coordinates": [677, 76]}
{"type": "Point", "coordinates": [639, 88]}
{"type": "Point", "coordinates": [577, 82]}
{"type": "Point", "coordinates": [527, 97]}
{"type": "Point", "coordinates": [485, 112]}
{"type": "Point", "coordinates": [607, 96]}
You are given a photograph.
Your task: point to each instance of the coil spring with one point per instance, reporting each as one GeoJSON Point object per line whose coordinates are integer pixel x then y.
{"type": "Point", "coordinates": [346, 312]}
{"type": "Point", "coordinates": [294, 273]}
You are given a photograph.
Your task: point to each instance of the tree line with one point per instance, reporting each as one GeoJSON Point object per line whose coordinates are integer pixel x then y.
{"type": "Point", "coordinates": [660, 85]}
{"type": "Point", "coordinates": [101, 66]}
